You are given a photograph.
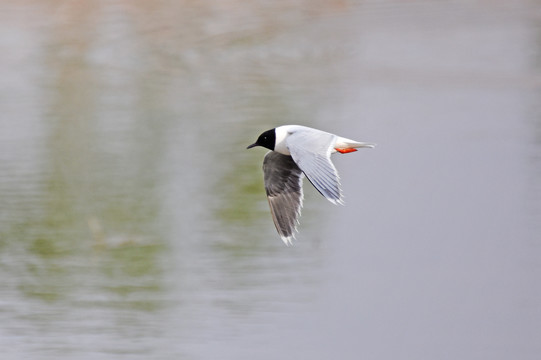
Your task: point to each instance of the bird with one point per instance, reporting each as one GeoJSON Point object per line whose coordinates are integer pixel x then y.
{"type": "Point", "coordinates": [297, 151]}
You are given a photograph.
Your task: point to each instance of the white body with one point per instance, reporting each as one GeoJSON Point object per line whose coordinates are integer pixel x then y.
{"type": "Point", "coordinates": [282, 133]}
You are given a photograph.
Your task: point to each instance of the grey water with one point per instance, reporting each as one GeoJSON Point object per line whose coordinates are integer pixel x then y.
{"type": "Point", "coordinates": [134, 224]}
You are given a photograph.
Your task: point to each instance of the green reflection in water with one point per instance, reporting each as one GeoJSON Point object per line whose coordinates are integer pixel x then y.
{"type": "Point", "coordinates": [91, 232]}
{"type": "Point", "coordinates": [242, 195]}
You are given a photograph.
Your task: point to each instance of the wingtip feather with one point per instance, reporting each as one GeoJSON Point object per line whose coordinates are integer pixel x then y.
{"type": "Point", "coordinates": [287, 240]}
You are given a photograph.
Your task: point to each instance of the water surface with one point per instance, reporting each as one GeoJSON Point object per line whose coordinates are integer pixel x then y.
{"type": "Point", "coordinates": [133, 222]}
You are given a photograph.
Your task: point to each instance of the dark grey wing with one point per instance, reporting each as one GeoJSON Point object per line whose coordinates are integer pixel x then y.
{"type": "Point", "coordinates": [311, 150]}
{"type": "Point", "coordinates": [283, 184]}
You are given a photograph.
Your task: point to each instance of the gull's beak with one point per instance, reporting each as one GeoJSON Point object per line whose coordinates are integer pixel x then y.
{"type": "Point", "coordinates": [367, 145]}
{"type": "Point", "coordinates": [251, 146]}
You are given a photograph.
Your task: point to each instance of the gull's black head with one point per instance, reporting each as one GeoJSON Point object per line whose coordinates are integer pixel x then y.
{"type": "Point", "coordinates": [267, 140]}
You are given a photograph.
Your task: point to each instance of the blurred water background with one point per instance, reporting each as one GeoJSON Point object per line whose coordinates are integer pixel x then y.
{"type": "Point", "coordinates": [134, 225]}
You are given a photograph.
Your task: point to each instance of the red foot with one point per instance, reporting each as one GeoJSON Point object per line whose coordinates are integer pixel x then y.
{"type": "Point", "coordinates": [345, 151]}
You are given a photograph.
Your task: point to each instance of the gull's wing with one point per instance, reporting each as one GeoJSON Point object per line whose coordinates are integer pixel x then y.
{"type": "Point", "coordinates": [283, 184]}
{"type": "Point", "coordinates": [311, 151]}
